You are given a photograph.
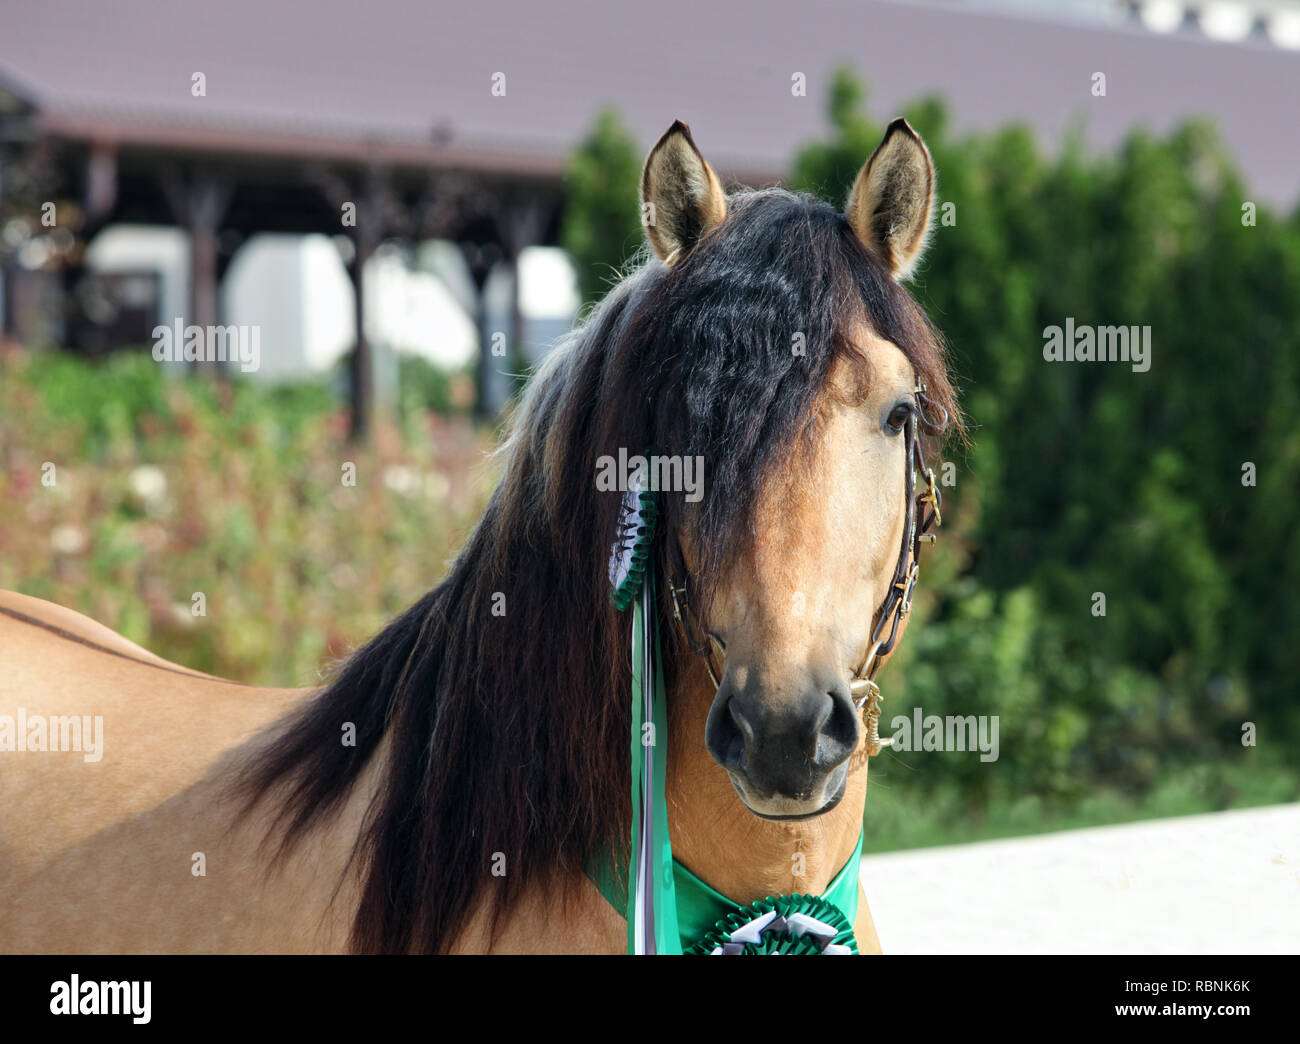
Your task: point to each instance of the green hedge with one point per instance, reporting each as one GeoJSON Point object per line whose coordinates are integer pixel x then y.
{"type": "Point", "coordinates": [1087, 478]}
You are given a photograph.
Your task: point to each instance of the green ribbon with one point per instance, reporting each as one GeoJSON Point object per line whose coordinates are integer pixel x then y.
{"type": "Point", "coordinates": [681, 908]}
{"type": "Point", "coordinates": [651, 899]}
{"type": "Point", "coordinates": [700, 907]}
{"type": "Point", "coordinates": [668, 908]}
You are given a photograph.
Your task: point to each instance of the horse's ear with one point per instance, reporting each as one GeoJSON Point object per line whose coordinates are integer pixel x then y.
{"type": "Point", "coordinates": [681, 197]}
{"type": "Point", "coordinates": [889, 204]}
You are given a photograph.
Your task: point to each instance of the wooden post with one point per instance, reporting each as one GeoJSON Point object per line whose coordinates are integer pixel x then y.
{"type": "Point", "coordinates": [524, 222]}
{"type": "Point", "coordinates": [9, 268]}
{"type": "Point", "coordinates": [518, 359]}
{"type": "Point", "coordinates": [200, 203]}
{"type": "Point", "coordinates": [203, 275]}
{"type": "Point", "coordinates": [98, 198]}
{"type": "Point", "coordinates": [362, 374]}
{"type": "Point", "coordinates": [366, 208]}
{"type": "Point", "coordinates": [373, 223]}
{"type": "Point", "coordinates": [479, 259]}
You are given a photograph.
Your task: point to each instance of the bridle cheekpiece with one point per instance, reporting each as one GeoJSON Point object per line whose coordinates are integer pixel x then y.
{"type": "Point", "coordinates": [923, 514]}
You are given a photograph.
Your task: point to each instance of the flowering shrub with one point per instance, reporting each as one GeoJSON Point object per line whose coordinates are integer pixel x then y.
{"type": "Point", "coordinates": [128, 493]}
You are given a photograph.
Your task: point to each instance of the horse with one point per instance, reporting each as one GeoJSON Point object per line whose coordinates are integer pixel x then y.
{"type": "Point", "coordinates": [448, 788]}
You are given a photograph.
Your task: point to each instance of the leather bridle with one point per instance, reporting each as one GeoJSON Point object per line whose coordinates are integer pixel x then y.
{"type": "Point", "coordinates": [923, 513]}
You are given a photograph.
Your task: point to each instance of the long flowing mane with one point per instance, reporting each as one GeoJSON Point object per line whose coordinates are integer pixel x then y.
{"type": "Point", "coordinates": [500, 698]}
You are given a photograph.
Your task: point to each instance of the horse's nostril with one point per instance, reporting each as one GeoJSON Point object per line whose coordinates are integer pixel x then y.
{"type": "Point", "coordinates": [817, 722]}
{"type": "Point", "coordinates": [727, 733]}
{"type": "Point", "coordinates": [840, 729]}
{"type": "Point", "coordinates": [742, 723]}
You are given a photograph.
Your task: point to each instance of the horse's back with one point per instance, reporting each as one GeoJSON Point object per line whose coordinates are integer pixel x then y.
{"type": "Point", "coordinates": [109, 755]}
{"type": "Point", "coordinates": [141, 844]}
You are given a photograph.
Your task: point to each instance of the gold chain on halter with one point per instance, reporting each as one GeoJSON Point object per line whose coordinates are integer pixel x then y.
{"type": "Point", "coordinates": [923, 513]}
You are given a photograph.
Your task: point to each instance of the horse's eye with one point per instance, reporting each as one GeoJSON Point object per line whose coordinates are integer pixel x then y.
{"type": "Point", "coordinates": [898, 418]}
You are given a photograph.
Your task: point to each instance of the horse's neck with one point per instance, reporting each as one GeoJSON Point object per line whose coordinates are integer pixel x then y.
{"type": "Point", "coordinates": [719, 840]}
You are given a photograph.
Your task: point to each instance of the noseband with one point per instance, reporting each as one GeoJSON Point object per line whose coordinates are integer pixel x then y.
{"type": "Point", "coordinates": [922, 515]}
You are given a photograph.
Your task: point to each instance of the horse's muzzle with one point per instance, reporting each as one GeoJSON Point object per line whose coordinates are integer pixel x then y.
{"type": "Point", "coordinates": [787, 755]}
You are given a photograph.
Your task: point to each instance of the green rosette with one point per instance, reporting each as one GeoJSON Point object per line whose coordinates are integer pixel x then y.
{"type": "Point", "coordinates": [785, 933]}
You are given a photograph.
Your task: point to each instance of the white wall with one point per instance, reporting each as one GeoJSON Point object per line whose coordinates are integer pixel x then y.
{"type": "Point", "coordinates": [296, 289]}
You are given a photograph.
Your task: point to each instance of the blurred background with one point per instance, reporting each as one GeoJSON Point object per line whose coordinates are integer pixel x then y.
{"type": "Point", "coordinates": [410, 202]}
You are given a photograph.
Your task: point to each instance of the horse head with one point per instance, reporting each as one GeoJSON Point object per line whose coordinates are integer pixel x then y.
{"type": "Point", "coordinates": [793, 604]}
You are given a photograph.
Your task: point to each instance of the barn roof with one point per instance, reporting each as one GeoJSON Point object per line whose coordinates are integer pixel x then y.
{"type": "Point", "coordinates": [410, 81]}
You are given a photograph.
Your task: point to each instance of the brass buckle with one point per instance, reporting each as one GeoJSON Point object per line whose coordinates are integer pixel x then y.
{"type": "Point", "coordinates": [677, 606]}
{"type": "Point", "coordinates": [909, 588]}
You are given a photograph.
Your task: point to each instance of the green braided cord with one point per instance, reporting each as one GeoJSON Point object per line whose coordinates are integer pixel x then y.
{"type": "Point", "coordinates": [780, 942]}
{"type": "Point", "coordinates": [641, 545]}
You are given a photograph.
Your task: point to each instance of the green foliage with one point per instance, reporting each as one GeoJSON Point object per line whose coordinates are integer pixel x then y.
{"type": "Point", "coordinates": [827, 169]}
{"type": "Point", "coordinates": [1090, 477]}
{"type": "Point", "coordinates": [601, 228]}
{"type": "Point", "coordinates": [424, 386]}
{"type": "Point", "coordinates": [1083, 478]}
{"type": "Point", "coordinates": [166, 485]}
{"type": "Point", "coordinates": [107, 408]}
